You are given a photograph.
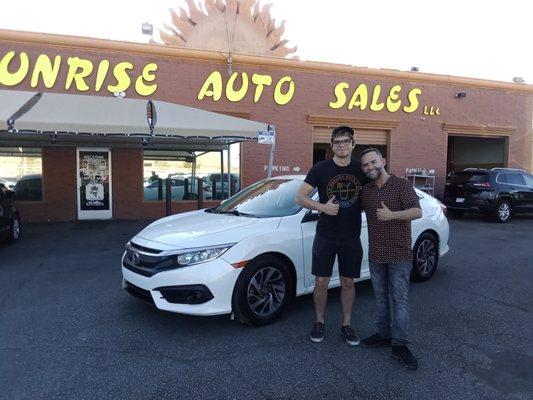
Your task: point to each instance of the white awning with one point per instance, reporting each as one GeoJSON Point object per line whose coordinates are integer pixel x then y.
{"type": "Point", "coordinates": [99, 115]}
{"type": "Point", "coordinates": [188, 122]}
{"type": "Point", "coordinates": [71, 113]}
{"type": "Point", "coordinates": [10, 103]}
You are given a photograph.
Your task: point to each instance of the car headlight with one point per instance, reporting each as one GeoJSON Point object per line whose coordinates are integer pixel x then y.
{"type": "Point", "coordinates": [202, 255]}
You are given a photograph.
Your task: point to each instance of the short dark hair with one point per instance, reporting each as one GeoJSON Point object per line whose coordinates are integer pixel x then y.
{"type": "Point", "coordinates": [342, 130]}
{"type": "Point", "coordinates": [371, 150]}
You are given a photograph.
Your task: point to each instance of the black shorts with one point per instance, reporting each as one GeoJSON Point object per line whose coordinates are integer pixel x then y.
{"type": "Point", "coordinates": [349, 253]}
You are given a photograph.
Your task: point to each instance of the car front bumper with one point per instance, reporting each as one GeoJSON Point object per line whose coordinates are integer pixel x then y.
{"type": "Point", "coordinates": [213, 283]}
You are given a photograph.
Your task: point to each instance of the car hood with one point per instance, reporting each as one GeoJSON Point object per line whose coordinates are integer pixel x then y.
{"type": "Point", "coordinates": [200, 228]}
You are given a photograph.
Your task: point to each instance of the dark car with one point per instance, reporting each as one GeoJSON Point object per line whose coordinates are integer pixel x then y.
{"type": "Point", "coordinates": [29, 188]}
{"type": "Point", "coordinates": [9, 216]}
{"type": "Point", "coordinates": [497, 192]}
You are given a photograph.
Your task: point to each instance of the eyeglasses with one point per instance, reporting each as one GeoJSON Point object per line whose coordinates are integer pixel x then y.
{"type": "Point", "coordinates": [345, 142]}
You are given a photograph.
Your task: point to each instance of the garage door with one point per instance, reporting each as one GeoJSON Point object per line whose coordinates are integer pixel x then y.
{"type": "Point", "coordinates": [322, 134]}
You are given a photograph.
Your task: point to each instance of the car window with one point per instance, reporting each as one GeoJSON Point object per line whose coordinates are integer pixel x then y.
{"type": "Point", "coordinates": [514, 179]}
{"type": "Point", "coordinates": [529, 180]}
{"type": "Point", "coordinates": [463, 177]}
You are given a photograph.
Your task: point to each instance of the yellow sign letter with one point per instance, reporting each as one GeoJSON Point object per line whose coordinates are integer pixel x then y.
{"type": "Point", "coordinates": [340, 95]}
{"type": "Point", "coordinates": [78, 70]}
{"type": "Point", "coordinates": [13, 78]}
{"type": "Point", "coordinates": [212, 87]}
{"type": "Point", "coordinates": [43, 67]}
{"type": "Point", "coordinates": [236, 95]}
{"type": "Point", "coordinates": [284, 98]}
{"type": "Point", "coordinates": [148, 76]}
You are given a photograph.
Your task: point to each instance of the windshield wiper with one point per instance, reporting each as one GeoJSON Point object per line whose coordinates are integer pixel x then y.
{"type": "Point", "coordinates": [237, 213]}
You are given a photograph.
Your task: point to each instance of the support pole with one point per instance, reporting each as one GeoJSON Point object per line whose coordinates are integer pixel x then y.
{"type": "Point", "coordinates": [272, 149]}
{"type": "Point", "coordinates": [222, 174]}
{"type": "Point", "coordinates": [168, 196]}
{"type": "Point", "coordinates": [200, 193]}
{"type": "Point", "coordinates": [229, 171]}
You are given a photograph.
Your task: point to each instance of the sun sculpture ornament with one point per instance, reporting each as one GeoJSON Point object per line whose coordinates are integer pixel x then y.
{"type": "Point", "coordinates": [230, 26]}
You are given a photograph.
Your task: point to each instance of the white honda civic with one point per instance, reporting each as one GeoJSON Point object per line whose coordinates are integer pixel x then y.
{"type": "Point", "coordinates": [251, 254]}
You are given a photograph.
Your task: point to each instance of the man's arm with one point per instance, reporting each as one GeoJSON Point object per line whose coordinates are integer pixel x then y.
{"type": "Point", "coordinates": [384, 214]}
{"type": "Point", "coordinates": [303, 199]}
{"type": "Point", "coordinates": [409, 214]}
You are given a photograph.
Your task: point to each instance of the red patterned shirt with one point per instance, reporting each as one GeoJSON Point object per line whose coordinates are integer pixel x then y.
{"type": "Point", "coordinates": [389, 241]}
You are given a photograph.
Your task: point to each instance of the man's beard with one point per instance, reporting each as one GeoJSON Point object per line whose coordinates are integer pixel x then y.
{"type": "Point", "coordinates": [378, 171]}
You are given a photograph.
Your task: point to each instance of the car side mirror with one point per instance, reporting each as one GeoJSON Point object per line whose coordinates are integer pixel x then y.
{"type": "Point", "coordinates": [311, 215]}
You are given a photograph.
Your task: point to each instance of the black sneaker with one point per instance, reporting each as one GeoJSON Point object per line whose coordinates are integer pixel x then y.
{"type": "Point", "coordinates": [317, 333]}
{"type": "Point", "coordinates": [404, 355]}
{"type": "Point", "coordinates": [349, 335]}
{"type": "Point", "coordinates": [376, 340]}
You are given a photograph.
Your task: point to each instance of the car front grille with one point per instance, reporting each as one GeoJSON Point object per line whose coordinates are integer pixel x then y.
{"type": "Point", "coordinates": [146, 261]}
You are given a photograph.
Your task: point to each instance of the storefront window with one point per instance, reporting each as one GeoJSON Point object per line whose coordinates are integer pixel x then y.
{"type": "Point", "coordinates": [184, 168]}
{"type": "Point", "coordinates": [21, 171]}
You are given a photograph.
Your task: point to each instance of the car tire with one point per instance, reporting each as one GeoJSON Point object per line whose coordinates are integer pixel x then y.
{"type": "Point", "coordinates": [262, 291]}
{"type": "Point", "coordinates": [14, 229]}
{"type": "Point", "coordinates": [425, 257]}
{"type": "Point", "coordinates": [502, 212]}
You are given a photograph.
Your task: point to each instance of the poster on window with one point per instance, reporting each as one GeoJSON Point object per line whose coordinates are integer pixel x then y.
{"type": "Point", "coordinates": [94, 170]}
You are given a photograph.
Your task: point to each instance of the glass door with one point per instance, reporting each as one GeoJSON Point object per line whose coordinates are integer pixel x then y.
{"type": "Point", "coordinates": [94, 183]}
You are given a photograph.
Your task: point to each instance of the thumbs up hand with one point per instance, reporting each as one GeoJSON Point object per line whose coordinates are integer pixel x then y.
{"type": "Point", "coordinates": [330, 208]}
{"type": "Point", "coordinates": [384, 214]}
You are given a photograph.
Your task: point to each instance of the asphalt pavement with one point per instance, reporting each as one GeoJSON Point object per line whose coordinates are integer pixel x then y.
{"type": "Point", "coordinates": [68, 330]}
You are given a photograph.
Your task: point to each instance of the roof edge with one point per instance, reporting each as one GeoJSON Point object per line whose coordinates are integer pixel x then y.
{"type": "Point", "coordinates": [86, 43]}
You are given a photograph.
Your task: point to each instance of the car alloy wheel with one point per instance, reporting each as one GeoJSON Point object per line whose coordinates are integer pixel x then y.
{"type": "Point", "coordinates": [504, 211]}
{"type": "Point", "coordinates": [263, 290]}
{"type": "Point", "coordinates": [425, 257]}
{"type": "Point", "coordinates": [266, 291]}
{"type": "Point", "coordinates": [15, 230]}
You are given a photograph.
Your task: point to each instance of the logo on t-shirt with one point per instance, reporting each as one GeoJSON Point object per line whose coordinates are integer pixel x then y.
{"type": "Point", "coordinates": [345, 188]}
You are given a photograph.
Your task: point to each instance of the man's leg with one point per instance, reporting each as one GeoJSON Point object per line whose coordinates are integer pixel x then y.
{"type": "Point", "coordinates": [323, 258]}
{"type": "Point", "coordinates": [350, 255]}
{"type": "Point", "coordinates": [379, 274]}
{"type": "Point", "coordinates": [399, 283]}
{"type": "Point", "coordinates": [347, 298]}
{"type": "Point", "coordinates": [320, 296]}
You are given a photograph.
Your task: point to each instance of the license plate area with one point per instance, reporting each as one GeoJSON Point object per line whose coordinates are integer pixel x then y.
{"type": "Point", "coordinates": [460, 200]}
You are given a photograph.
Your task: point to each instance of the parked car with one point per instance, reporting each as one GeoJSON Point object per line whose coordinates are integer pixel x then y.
{"type": "Point", "coordinates": [29, 188]}
{"type": "Point", "coordinates": [9, 216]}
{"type": "Point", "coordinates": [496, 192]}
{"type": "Point", "coordinates": [213, 181]}
{"type": "Point", "coordinates": [8, 183]}
{"type": "Point", "coordinates": [251, 254]}
{"type": "Point", "coordinates": [151, 190]}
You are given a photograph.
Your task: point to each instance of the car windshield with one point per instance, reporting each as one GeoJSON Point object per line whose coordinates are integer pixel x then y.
{"type": "Point", "coordinates": [267, 198]}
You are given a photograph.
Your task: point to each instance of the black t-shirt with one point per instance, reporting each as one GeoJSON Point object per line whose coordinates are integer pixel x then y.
{"type": "Point", "coordinates": [345, 184]}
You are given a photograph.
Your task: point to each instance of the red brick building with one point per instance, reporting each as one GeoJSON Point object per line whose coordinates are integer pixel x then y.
{"type": "Point", "coordinates": [420, 120]}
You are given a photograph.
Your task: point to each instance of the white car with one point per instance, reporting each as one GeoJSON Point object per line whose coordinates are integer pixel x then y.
{"type": "Point", "coordinates": [252, 254]}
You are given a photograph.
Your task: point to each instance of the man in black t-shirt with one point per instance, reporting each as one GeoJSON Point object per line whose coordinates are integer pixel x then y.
{"type": "Point", "coordinates": [339, 181]}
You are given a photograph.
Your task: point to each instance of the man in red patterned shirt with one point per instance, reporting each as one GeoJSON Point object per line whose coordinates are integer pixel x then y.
{"type": "Point", "coordinates": [390, 204]}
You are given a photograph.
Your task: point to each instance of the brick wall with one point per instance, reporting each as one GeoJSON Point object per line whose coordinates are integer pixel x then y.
{"type": "Point", "coordinates": [417, 141]}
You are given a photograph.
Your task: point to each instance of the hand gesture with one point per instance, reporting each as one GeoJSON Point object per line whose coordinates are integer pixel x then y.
{"type": "Point", "coordinates": [330, 208]}
{"type": "Point", "coordinates": [384, 214]}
